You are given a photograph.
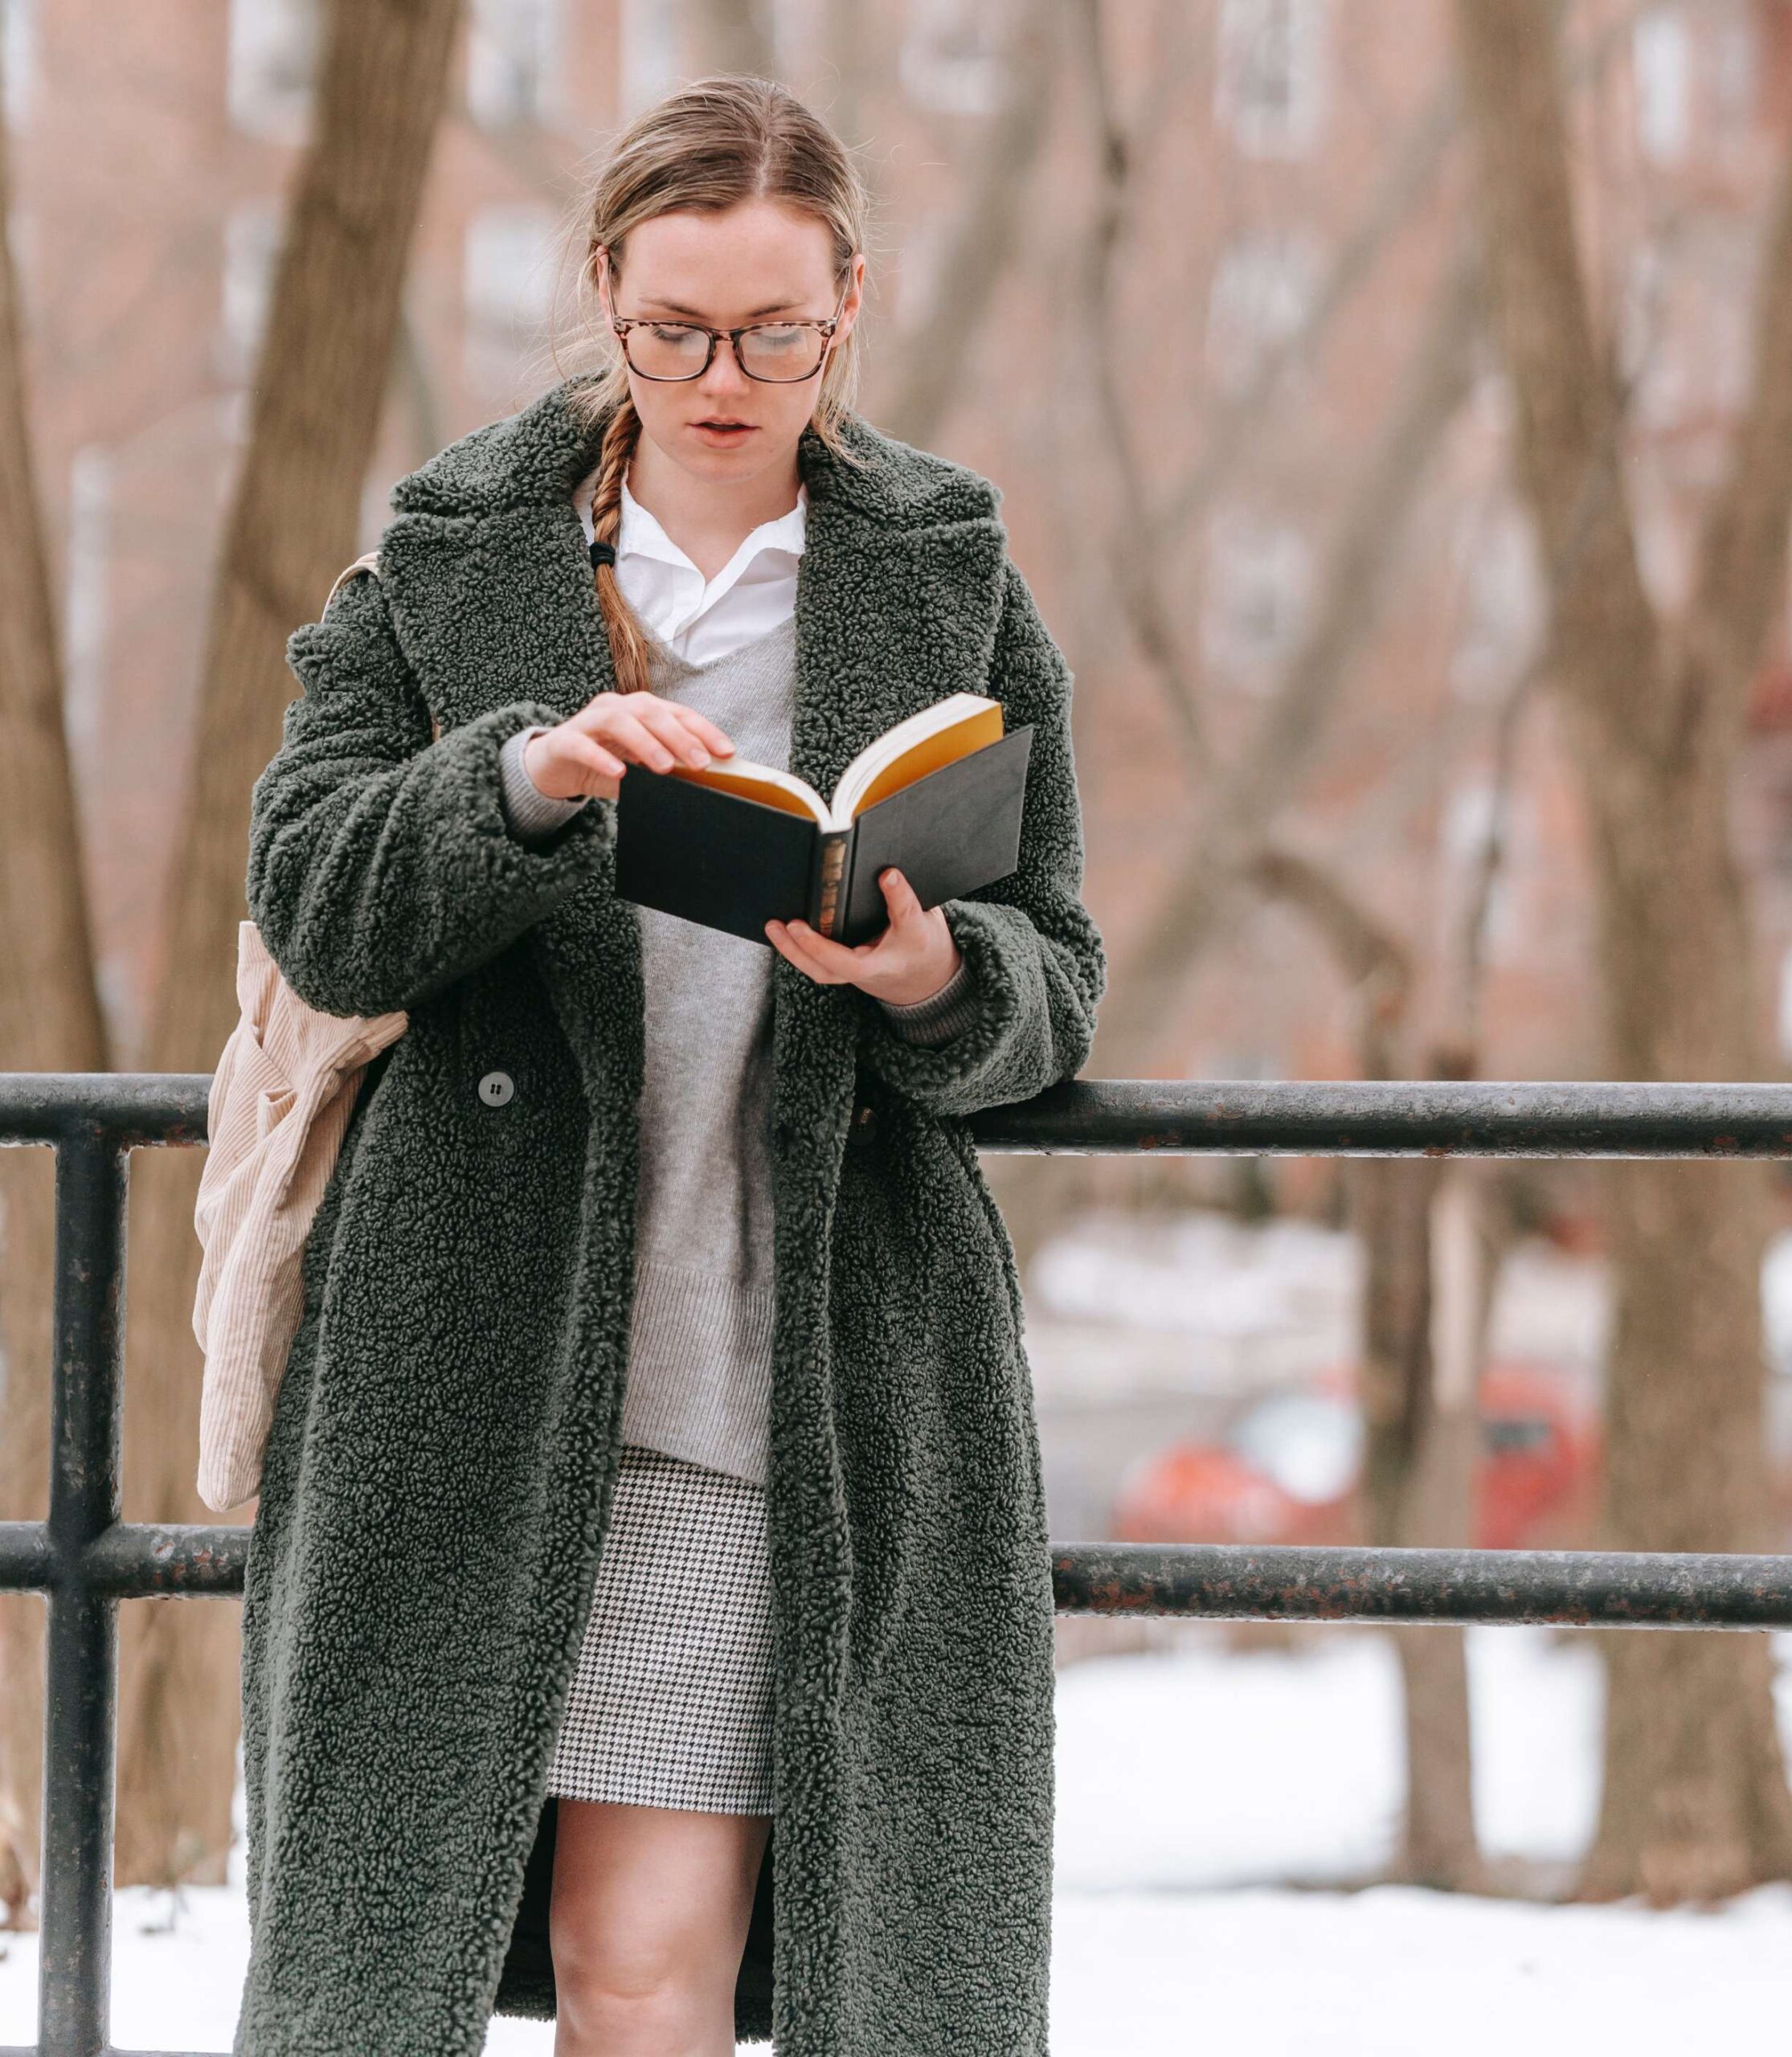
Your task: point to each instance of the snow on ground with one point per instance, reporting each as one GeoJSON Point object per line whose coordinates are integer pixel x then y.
{"type": "Point", "coordinates": [1396, 1973]}
{"type": "Point", "coordinates": [1191, 1785]}
{"type": "Point", "coordinates": [1194, 1770]}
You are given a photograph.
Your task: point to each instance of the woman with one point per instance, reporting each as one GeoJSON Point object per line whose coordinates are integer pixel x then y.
{"type": "Point", "coordinates": [649, 1615]}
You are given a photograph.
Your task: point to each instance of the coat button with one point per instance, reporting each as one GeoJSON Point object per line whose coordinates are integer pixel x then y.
{"type": "Point", "coordinates": [865, 1124]}
{"type": "Point", "coordinates": [496, 1088]}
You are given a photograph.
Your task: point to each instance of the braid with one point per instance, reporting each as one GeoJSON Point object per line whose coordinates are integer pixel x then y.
{"type": "Point", "coordinates": [629, 647]}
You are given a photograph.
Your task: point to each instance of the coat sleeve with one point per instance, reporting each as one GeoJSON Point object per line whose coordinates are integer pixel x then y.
{"type": "Point", "coordinates": [1037, 966]}
{"type": "Point", "coordinates": [381, 866]}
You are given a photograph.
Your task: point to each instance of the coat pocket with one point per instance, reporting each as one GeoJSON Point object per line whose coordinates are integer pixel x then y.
{"type": "Point", "coordinates": [273, 1104]}
{"type": "Point", "coordinates": [250, 1098]}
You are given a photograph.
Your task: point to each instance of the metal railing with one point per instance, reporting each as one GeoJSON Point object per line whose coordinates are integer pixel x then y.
{"type": "Point", "coordinates": [84, 1560]}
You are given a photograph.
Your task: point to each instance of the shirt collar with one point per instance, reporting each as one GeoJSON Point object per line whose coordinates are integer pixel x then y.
{"type": "Point", "coordinates": [640, 533]}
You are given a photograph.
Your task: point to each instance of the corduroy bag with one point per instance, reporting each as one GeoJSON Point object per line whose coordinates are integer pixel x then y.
{"type": "Point", "coordinates": [281, 1096]}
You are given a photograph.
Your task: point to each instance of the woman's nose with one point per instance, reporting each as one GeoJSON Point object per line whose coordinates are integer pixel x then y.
{"type": "Point", "coordinates": [725, 376]}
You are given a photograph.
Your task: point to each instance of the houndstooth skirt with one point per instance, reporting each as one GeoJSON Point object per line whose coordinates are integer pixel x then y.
{"type": "Point", "coordinates": [671, 1704]}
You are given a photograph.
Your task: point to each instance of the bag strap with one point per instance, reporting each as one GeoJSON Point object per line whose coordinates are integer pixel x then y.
{"type": "Point", "coordinates": [369, 561]}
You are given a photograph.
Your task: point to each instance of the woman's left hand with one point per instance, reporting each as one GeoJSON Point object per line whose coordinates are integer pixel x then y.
{"type": "Point", "coordinates": [910, 961]}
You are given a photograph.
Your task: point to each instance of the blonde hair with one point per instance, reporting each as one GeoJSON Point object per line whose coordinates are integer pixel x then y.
{"type": "Point", "coordinates": [726, 138]}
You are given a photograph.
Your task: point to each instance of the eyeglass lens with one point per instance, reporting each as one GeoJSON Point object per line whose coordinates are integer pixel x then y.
{"type": "Point", "coordinates": [673, 350]}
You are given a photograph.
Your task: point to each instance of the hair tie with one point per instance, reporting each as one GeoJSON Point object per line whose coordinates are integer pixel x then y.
{"type": "Point", "coordinates": [603, 553]}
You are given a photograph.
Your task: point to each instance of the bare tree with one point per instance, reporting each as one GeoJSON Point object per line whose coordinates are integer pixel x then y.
{"type": "Point", "coordinates": [50, 1020]}
{"type": "Point", "coordinates": [1408, 179]}
{"type": "Point", "coordinates": [978, 243]}
{"type": "Point", "coordinates": [325, 367]}
{"type": "Point", "coordinates": [1431, 1258]}
{"type": "Point", "coordinates": [1695, 1803]}
{"type": "Point", "coordinates": [1248, 793]}
{"type": "Point", "coordinates": [1432, 1246]}
{"type": "Point", "coordinates": [1242, 797]}
{"type": "Point", "coordinates": [1230, 860]}
{"type": "Point", "coordinates": [1209, 880]}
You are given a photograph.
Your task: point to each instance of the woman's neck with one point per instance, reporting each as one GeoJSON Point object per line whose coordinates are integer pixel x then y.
{"type": "Point", "coordinates": [707, 518]}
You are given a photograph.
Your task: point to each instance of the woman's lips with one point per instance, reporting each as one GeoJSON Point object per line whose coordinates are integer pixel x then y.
{"type": "Point", "coordinates": [723, 438]}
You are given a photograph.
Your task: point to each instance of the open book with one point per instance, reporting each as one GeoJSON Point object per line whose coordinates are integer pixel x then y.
{"type": "Point", "coordinates": [734, 845]}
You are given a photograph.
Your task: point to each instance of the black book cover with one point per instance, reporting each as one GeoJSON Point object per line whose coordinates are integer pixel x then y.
{"type": "Point", "coordinates": [732, 863]}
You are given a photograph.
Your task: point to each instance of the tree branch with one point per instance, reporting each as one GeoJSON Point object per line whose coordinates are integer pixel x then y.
{"type": "Point", "coordinates": [1568, 412]}
{"type": "Point", "coordinates": [981, 239]}
{"type": "Point", "coordinates": [1247, 797]}
{"type": "Point", "coordinates": [1136, 542]}
{"type": "Point", "coordinates": [1743, 547]}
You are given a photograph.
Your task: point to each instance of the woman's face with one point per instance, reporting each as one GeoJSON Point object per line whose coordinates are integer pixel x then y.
{"type": "Point", "coordinates": [759, 261]}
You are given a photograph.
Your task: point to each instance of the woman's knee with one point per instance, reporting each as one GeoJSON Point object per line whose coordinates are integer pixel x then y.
{"type": "Point", "coordinates": [647, 1919]}
{"type": "Point", "coordinates": [635, 1951]}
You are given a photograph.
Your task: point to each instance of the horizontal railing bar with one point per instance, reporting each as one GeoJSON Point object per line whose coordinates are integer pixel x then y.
{"type": "Point", "coordinates": [1400, 1117]}
{"type": "Point", "coordinates": [130, 1561]}
{"type": "Point", "coordinates": [1299, 1118]}
{"type": "Point", "coordinates": [137, 1109]}
{"type": "Point", "coordinates": [1616, 1589]}
{"type": "Point", "coordinates": [1636, 1589]}
{"type": "Point", "coordinates": [29, 1561]}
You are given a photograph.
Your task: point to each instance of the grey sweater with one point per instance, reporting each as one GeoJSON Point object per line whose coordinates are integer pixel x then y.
{"type": "Point", "coordinates": [699, 1383]}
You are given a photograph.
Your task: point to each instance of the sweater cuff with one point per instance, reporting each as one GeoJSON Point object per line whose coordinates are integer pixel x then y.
{"type": "Point", "coordinates": [941, 1015]}
{"type": "Point", "coordinates": [529, 812]}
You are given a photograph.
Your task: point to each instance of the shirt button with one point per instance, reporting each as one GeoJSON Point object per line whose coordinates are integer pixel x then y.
{"type": "Point", "coordinates": [496, 1088]}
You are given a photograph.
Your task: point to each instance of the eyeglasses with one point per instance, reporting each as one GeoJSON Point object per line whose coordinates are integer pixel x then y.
{"type": "Point", "coordinates": [778, 352]}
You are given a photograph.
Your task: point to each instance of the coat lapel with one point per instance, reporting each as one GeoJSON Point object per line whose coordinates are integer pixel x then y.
{"type": "Point", "coordinates": [898, 596]}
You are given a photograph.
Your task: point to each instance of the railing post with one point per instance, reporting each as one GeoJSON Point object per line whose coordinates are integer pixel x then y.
{"type": "Point", "coordinates": [79, 1739]}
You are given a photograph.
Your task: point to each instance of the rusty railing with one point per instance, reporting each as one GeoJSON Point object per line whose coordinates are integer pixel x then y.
{"type": "Point", "coordinates": [84, 1560]}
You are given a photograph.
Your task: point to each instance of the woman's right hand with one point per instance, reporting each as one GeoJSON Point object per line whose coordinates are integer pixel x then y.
{"type": "Point", "coordinates": [588, 754]}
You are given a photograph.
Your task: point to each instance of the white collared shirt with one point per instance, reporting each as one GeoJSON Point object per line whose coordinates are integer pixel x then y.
{"type": "Point", "coordinates": [752, 593]}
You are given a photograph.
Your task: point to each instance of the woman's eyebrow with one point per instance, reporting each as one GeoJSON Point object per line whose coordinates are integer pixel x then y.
{"type": "Point", "coordinates": [777, 307]}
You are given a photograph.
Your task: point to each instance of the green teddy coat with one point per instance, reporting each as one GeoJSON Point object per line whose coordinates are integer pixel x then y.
{"type": "Point", "coordinates": [441, 1458]}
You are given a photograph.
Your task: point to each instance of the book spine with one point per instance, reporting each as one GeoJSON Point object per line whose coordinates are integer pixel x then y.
{"type": "Point", "coordinates": [830, 902]}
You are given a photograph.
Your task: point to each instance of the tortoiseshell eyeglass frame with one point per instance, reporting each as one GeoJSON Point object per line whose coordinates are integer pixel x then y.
{"type": "Point", "coordinates": [623, 325]}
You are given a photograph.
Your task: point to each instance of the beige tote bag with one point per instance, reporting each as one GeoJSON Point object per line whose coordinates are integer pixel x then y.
{"type": "Point", "coordinates": [279, 1106]}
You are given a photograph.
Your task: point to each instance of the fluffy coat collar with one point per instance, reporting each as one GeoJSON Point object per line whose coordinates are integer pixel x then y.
{"type": "Point", "coordinates": [536, 457]}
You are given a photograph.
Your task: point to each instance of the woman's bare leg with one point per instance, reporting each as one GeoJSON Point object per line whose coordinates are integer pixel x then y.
{"type": "Point", "coordinates": [647, 1922]}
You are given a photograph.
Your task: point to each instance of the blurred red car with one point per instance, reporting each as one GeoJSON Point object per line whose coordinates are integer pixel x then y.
{"type": "Point", "coordinates": [1288, 1470]}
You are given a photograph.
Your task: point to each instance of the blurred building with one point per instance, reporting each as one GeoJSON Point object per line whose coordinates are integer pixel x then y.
{"type": "Point", "coordinates": [1297, 193]}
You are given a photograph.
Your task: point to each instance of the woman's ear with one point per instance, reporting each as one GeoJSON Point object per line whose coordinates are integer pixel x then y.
{"type": "Point", "coordinates": [855, 298]}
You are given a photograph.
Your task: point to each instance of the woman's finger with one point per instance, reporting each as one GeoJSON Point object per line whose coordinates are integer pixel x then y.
{"type": "Point", "coordinates": [677, 728]}
{"type": "Point", "coordinates": [669, 721]}
{"type": "Point", "coordinates": [816, 955]}
{"type": "Point", "coordinates": [630, 737]}
{"type": "Point", "coordinates": [836, 956]}
{"type": "Point", "coordinates": [572, 745]}
{"type": "Point", "coordinates": [720, 744]}
{"type": "Point", "coordinates": [668, 717]}
{"type": "Point", "coordinates": [900, 897]}
{"type": "Point", "coordinates": [586, 750]}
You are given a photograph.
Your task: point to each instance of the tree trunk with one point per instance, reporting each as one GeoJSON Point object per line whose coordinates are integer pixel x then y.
{"type": "Point", "coordinates": [1695, 1804]}
{"type": "Point", "coordinates": [50, 1020]}
{"type": "Point", "coordinates": [1423, 1318]}
{"type": "Point", "coordinates": [319, 388]}
{"type": "Point", "coordinates": [1418, 1483]}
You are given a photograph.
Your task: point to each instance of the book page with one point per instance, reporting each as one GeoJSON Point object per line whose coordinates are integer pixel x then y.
{"type": "Point", "coordinates": [756, 782]}
{"type": "Point", "coordinates": [938, 735]}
